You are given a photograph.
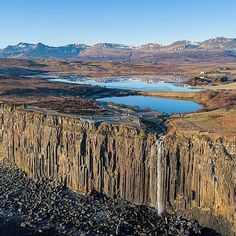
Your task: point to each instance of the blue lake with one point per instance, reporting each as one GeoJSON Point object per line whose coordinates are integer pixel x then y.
{"type": "Point", "coordinates": [130, 84]}
{"type": "Point", "coordinates": [168, 106]}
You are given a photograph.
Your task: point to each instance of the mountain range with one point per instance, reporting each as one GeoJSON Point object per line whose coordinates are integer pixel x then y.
{"type": "Point", "coordinates": [215, 49]}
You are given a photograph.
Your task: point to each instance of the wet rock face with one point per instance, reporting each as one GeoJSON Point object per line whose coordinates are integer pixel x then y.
{"type": "Point", "coordinates": [186, 171]}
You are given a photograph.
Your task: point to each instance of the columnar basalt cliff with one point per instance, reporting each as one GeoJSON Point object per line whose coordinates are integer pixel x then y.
{"type": "Point", "coordinates": [200, 178]}
{"type": "Point", "coordinates": [190, 173]}
{"type": "Point", "coordinates": [84, 156]}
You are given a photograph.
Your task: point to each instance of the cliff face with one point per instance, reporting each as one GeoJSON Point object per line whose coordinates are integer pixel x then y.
{"type": "Point", "coordinates": [200, 178]}
{"type": "Point", "coordinates": [190, 173]}
{"type": "Point", "coordinates": [108, 158]}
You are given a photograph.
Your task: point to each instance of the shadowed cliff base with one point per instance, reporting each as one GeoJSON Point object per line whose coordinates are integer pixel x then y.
{"type": "Point", "coordinates": [43, 207]}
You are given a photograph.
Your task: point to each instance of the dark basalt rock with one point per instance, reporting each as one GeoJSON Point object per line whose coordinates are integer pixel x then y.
{"type": "Point", "coordinates": [44, 207]}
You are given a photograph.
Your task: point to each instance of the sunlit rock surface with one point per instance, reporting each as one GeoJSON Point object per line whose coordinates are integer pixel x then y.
{"type": "Point", "coordinates": [196, 176]}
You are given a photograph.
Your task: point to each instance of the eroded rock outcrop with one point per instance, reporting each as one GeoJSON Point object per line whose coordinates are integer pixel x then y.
{"type": "Point", "coordinates": [192, 173]}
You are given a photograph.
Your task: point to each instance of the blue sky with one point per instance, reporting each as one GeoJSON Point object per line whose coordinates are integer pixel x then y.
{"type": "Point", "coordinates": [132, 22]}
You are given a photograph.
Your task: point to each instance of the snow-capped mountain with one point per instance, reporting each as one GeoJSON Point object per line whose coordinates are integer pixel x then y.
{"type": "Point", "coordinates": [110, 45]}
{"type": "Point", "coordinates": [149, 46]}
{"type": "Point", "coordinates": [20, 49]}
{"type": "Point", "coordinates": [25, 50]}
{"type": "Point", "coordinates": [219, 43]}
{"type": "Point", "coordinates": [215, 47]}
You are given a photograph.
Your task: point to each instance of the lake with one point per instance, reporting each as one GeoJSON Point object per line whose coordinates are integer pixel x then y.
{"type": "Point", "coordinates": [166, 105]}
{"type": "Point", "coordinates": [129, 83]}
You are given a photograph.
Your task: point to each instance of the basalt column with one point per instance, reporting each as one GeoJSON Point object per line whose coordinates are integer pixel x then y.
{"type": "Point", "coordinates": [107, 157]}
{"type": "Point", "coordinates": [200, 178]}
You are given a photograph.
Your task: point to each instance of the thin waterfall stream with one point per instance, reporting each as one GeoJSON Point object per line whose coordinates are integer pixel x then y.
{"type": "Point", "coordinates": [156, 168]}
{"type": "Point", "coordinates": [160, 206]}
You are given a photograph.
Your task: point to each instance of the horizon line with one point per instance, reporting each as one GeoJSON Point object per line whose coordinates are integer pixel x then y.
{"type": "Point", "coordinates": [116, 43]}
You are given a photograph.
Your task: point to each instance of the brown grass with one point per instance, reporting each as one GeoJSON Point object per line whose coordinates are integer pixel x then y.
{"type": "Point", "coordinates": [221, 121]}
{"type": "Point", "coordinates": [61, 97]}
{"type": "Point", "coordinates": [103, 68]}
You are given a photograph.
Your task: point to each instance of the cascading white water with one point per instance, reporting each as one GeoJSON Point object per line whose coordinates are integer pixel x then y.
{"type": "Point", "coordinates": [159, 201]}
{"type": "Point", "coordinates": [155, 163]}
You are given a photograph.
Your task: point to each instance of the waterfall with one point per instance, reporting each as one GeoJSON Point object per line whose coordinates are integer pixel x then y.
{"type": "Point", "coordinates": [159, 200]}
{"type": "Point", "coordinates": [156, 176]}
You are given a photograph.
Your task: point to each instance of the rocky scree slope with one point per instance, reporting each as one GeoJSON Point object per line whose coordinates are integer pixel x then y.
{"type": "Point", "coordinates": [43, 207]}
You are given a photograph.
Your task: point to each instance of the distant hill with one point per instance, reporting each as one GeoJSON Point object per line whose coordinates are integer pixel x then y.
{"type": "Point", "coordinates": [215, 49]}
